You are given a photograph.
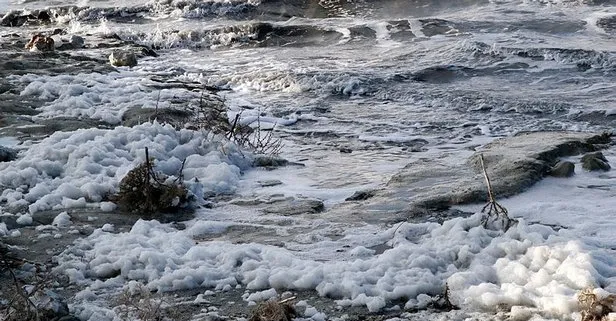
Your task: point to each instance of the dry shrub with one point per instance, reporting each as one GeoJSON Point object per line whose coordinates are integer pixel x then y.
{"type": "Point", "coordinates": [273, 311]}
{"type": "Point", "coordinates": [141, 304]}
{"type": "Point", "coordinates": [442, 302]}
{"type": "Point", "coordinates": [146, 191]}
{"type": "Point", "coordinates": [258, 140]}
{"type": "Point", "coordinates": [497, 215]}
{"type": "Point", "coordinates": [594, 308]}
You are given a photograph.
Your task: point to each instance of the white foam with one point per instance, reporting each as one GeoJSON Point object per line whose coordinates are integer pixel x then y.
{"type": "Point", "coordinates": [70, 169]}
{"type": "Point", "coordinates": [530, 266]}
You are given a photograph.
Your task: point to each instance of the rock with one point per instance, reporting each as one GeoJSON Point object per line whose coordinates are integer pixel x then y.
{"type": "Point", "coordinates": [147, 52]}
{"type": "Point", "coordinates": [345, 150]}
{"type": "Point", "coordinates": [123, 58]}
{"type": "Point", "coordinates": [269, 183]}
{"type": "Point", "coordinates": [41, 43]}
{"type": "Point", "coordinates": [563, 169]}
{"type": "Point", "coordinates": [296, 207]}
{"type": "Point", "coordinates": [12, 19]}
{"type": "Point", "coordinates": [7, 154]}
{"type": "Point", "coordinates": [595, 162]}
{"type": "Point", "coordinates": [77, 41]}
{"type": "Point", "coordinates": [361, 195]}
{"type": "Point", "coordinates": [432, 184]}
{"type": "Point", "coordinates": [269, 161]}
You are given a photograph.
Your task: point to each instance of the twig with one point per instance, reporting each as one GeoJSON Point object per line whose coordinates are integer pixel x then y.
{"type": "Point", "coordinates": [287, 300]}
{"type": "Point", "coordinates": [495, 210]}
{"type": "Point", "coordinates": [156, 108]}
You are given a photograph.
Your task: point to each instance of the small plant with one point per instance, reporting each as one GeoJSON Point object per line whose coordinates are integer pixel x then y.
{"type": "Point", "coordinates": [257, 140]}
{"type": "Point", "coordinates": [496, 213]}
{"type": "Point", "coordinates": [442, 301]}
{"type": "Point", "coordinates": [594, 308]}
{"type": "Point", "coordinates": [141, 304]}
{"type": "Point", "coordinates": [146, 191]}
{"type": "Point", "coordinates": [272, 310]}
{"type": "Point", "coordinates": [211, 115]}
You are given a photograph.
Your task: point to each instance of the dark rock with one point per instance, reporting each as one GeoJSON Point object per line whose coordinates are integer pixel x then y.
{"type": "Point", "coordinates": [123, 58]}
{"type": "Point", "coordinates": [563, 169]}
{"type": "Point", "coordinates": [598, 155]}
{"type": "Point", "coordinates": [147, 52]}
{"type": "Point", "coordinates": [20, 18]}
{"type": "Point", "coordinates": [13, 19]}
{"type": "Point", "coordinates": [269, 161]}
{"type": "Point", "coordinates": [361, 195]}
{"type": "Point", "coordinates": [43, 16]}
{"type": "Point", "coordinates": [44, 217]}
{"type": "Point", "coordinates": [345, 150]}
{"type": "Point", "coordinates": [77, 41]}
{"type": "Point", "coordinates": [7, 154]}
{"type": "Point", "coordinates": [66, 46]}
{"type": "Point", "coordinates": [270, 183]}
{"type": "Point", "coordinates": [595, 162]}
{"type": "Point", "coordinates": [296, 207]}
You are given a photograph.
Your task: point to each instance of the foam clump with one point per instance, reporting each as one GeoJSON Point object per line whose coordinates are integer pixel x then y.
{"type": "Point", "coordinates": [70, 169]}
{"type": "Point", "coordinates": [536, 270]}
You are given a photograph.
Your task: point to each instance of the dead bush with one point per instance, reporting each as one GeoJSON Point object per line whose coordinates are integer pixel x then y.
{"type": "Point", "coordinates": [274, 311]}
{"type": "Point", "coordinates": [141, 304]}
{"type": "Point", "coordinates": [442, 302]}
{"type": "Point", "coordinates": [595, 308]}
{"type": "Point", "coordinates": [211, 115]}
{"type": "Point", "coordinates": [145, 191]}
{"type": "Point", "coordinates": [496, 214]}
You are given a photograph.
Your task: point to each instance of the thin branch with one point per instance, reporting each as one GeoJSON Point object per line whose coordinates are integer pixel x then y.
{"type": "Point", "coordinates": [495, 211]}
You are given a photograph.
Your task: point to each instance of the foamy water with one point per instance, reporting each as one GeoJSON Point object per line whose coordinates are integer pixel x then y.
{"type": "Point", "coordinates": [390, 81]}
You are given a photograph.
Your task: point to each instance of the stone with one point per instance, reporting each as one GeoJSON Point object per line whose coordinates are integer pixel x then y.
{"type": "Point", "coordinates": [433, 184]}
{"type": "Point", "coordinates": [563, 169]}
{"type": "Point", "coordinates": [345, 150]}
{"type": "Point", "coordinates": [77, 41]}
{"type": "Point", "coordinates": [269, 161]}
{"type": "Point", "coordinates": [269, 183]}
{"type": "Point", "coordinates": [147, 52]}
{"type": "Point", "coordinates": [361, 195]}
{"type": "Point", "coordinates": [41, 43]}
{"type": "Point", "coordinates": [595, 162]}
{"type": "Point", "coordinates": [123, 58]}
{"type": "Point", "coordinates": [296, 207]}
{"type": "Point", "coordinates": [7, 154]}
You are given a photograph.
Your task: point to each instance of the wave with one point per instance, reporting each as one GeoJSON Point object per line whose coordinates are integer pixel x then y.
{"type": "Point", "coordinates": [584, 59]}
{"type": "Point", "coordinates": [255, 34]}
